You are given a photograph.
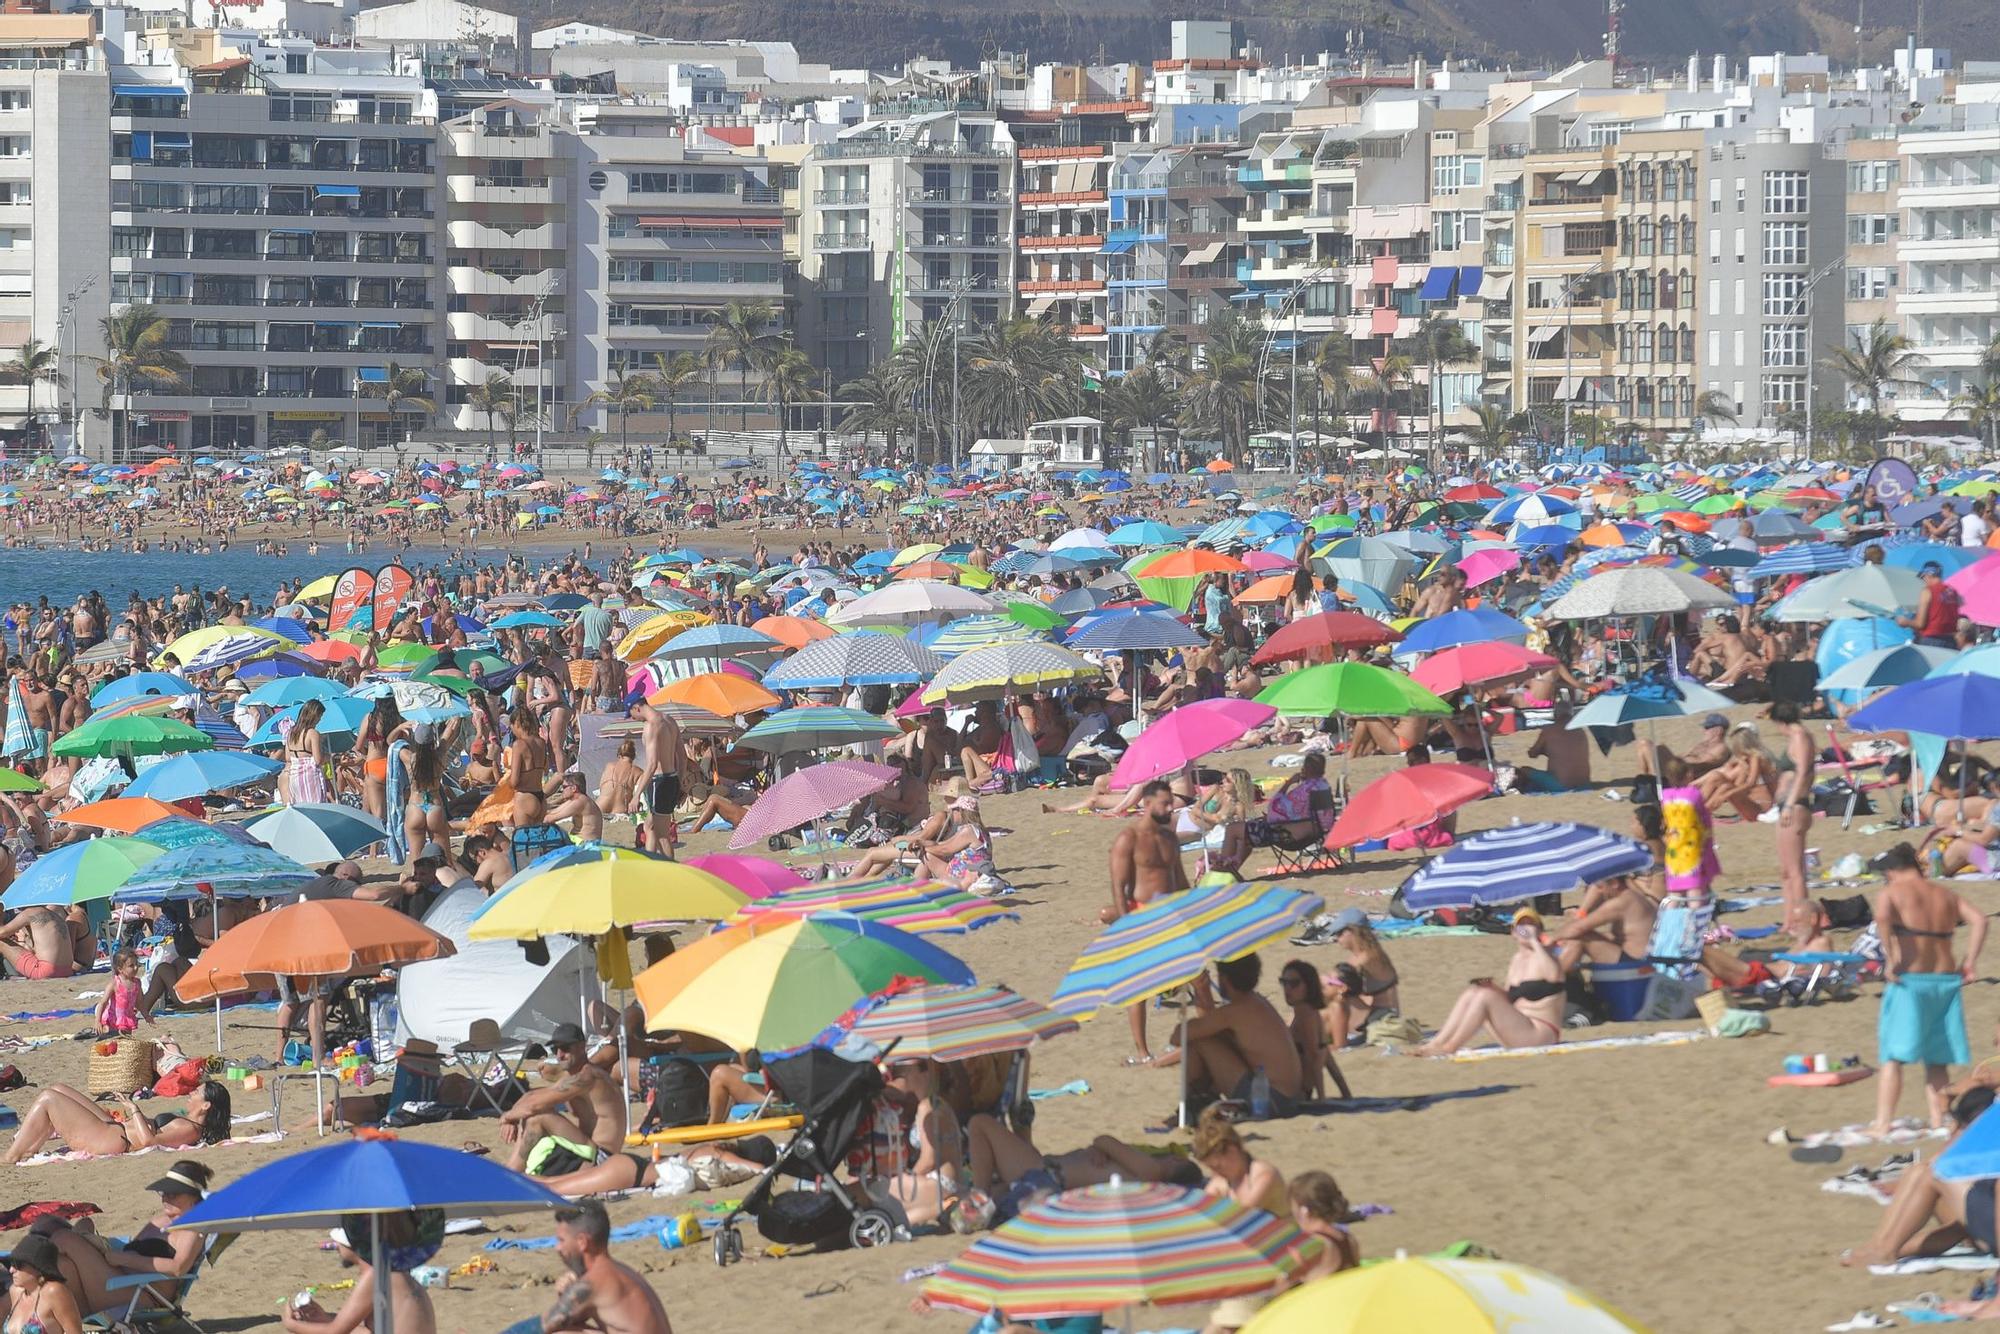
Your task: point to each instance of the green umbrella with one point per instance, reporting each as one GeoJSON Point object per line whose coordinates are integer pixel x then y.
{"type": "Point", "coordinates": [1651, 504]}
{"type": "Point", "coordinates": [1354, 689]}
{"type": "Point", "coordinates": [1321, 523]}
{"type": "Point", "coordinates": [1034, 615]}
{"type": "Point", "coordinates": [405, 655]}
{"type": "Point", "coordinates": [133, 734]}
{"type": "Point", "coordinates": [13, 780]}
{"type": "Point", "coordinates": [1720, 502]}
{"type": "Point", "coordinates": [457, 685]}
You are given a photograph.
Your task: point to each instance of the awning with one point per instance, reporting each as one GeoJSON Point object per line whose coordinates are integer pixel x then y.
{"type": "Point", "coordinates": [707, 220]}
{"type": "Point", "coordinates": [1040, 304]}
{"type": "Point", "coordinates": [1438, 283]}
{"type": "Point", "coordinates": [1202, 254]}
{"type": "Point", "coordinates": [1469, 279]}
{"type": "Point", "coordinates": [172, 139]}
{"type": "Point", "coordinates": [1536, 337]}
{"type": "Point", "coordinates": [291, 231]}
{"type": "Point", "coordinates": [147, 90]}
{"type": "Point", "coordinates": [372, 375]}
{"type": "Point", "coordinates": [1589, 177]}
{"type": "Point", "coordinates": [1496, 286]}
{"type": "Point", "coordinates": [381, 326]}
{"type": "Point", "coordinates": [1566, 387]}
{"type": "Point", "coordinates": [337, 191]}
{"type": "Point", "coordinates": [1118, 245]}
{"type": "Point", "coordinates": [142, 145]}
{"type": "Point", "coordinates": [1570, 177]}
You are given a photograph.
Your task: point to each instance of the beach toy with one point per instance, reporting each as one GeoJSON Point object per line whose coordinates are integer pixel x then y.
{"type": "Point", "coordinates": [252, 1082]}
{"type": "Point", "coordinates": [430, 1276]}
{"type": "Point", "coordinates": [1821, 1079]}
{"type": "Point", "coordinates": [679, 1232]}
{"type": "Point", "coordinates": [1797, 1065]}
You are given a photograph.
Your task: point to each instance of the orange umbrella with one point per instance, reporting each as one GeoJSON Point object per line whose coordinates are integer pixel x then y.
{"type": "Point", "coordinates": [1271, 588]}
{"type": "Point", "coordinates": [1686, 520]}
{"type": "Point", "coordinates": [1186, 564]}
{"type": "Point", "coordinates": [124, 814]}
{"type": "Point", "coordinates": [1601, 535]}
{"type": "Point", "coordinates": [329, 650]}
{"type": "Point", "coordinates": [793, 631]}
{"type": "Point", "coordinates": [722, 693]}
{"type": "Point", "coordinates": [1221, 465]}
{"type": "Point", "coordinates": [313, 938]}
{"type": "Point", "coordinates": [929, 569]}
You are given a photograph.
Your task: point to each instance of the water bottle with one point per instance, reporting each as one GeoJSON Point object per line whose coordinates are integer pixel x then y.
{"type": "Point", "coordinates": [1260, 1096]}
{"type": "Point", "coordinates": [679, 1232]}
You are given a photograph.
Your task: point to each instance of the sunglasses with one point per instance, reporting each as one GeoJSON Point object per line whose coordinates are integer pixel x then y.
{"type": "Point", "coordinates": [1291, 981]}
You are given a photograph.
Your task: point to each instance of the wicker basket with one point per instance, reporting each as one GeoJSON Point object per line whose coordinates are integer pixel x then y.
{"type": "Point", "coordinates": [126, 1070]}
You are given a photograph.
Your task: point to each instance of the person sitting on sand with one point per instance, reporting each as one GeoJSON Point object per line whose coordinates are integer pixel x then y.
{"type": "Point", "coordinates": [1300, 983]}
{"type": "Point", "coordinates": [1371, 993]}
{"type": "Point", "coordinates": [1744, 781]}
{"type": "Point", "coordinates": [598, 1292]}
{"type": "Point", "coordinates": [714, 806]}
{"type": "Point", "coordinates": [1963, 844]}
{"type": "Point", "coordinates": [1613, 925]}
{"type": "Point", "coordinates": [1527, 1012]}
{"type": "Point", "coordinates": [1704, 755]}
{"type": "Point", "coordinates": [574, 803]}
{"type": "Point", "coordinates": [1227, 1047]}
{"type": "Point", "coordinates": [37, 944]}
{"type": "Point", "coordinates": [1964, 1209]}
{"type": "Point", "coordinates": [86, 1127]}
{"type": "Point", "coordinates": [90, 1262]}
{"type": "Point", "coordinates": [1321, 1210]}
{"type": "Point", "coordinates": [597, 1114]}
{"type": "Point", "coordinates": [1568, 754]}
{"type": "Point", "coordinates": [410, 1309]}
{"type": "Point", "coordinates": [937, 1145]}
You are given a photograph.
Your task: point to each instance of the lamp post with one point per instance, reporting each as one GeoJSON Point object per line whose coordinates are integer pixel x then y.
{"type": "Point", "coordinates": [1805, 308]}
{"type": "Point", "coordinates": [1569, 341]}
{"type": "Point", "coordinates": [71, 314]}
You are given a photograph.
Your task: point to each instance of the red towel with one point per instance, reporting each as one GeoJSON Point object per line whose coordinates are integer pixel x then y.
{"type": "Point", "coordinates": [28, 1213]}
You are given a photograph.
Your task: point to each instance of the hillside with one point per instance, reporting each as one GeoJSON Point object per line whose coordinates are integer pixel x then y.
{"type": "Point", "coordinates": [883, 32]}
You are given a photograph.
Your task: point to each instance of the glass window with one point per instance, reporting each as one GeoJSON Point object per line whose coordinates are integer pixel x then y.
{"type": "Point", "coordinates": [1784, 192]}
{"type": "Point", "coordinates": [1784, 345]}
{"type": "Point", "coordinates": [1784, 243]}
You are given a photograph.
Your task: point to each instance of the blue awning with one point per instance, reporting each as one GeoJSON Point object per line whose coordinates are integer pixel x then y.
{"type": "Point", "coordinates": [1118, 245]}
{"type": "Point", "coordinates": [148, 90]}
{"type": "Point", "coordinates": [337, 191]}
{"type": "Point", "coordinates": [291, 231]}
{"type": "Point", "coordinates": [142, 145]}
{"type": "Point", "coordinates": [1469, 279]}
{"type": "Point", "coordinates": [367, 325]}
{"type": "Point", "coordinates": [372, 375]}
{"type": "Point", "coordinates": [172, 139]}
{"type": "Point", "coordinates": [1437, 283]}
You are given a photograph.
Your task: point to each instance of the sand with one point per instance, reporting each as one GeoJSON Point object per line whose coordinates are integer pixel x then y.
{"type": "Point", "coordinates": [1641, 1175]}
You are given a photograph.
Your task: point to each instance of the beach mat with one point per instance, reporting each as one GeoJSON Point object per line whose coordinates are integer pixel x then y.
{"type": "Point", "coordinates": [1674, 1039]}
{"type": "Point", "coordinates": [1904, 1130]}
{"type": "Point", "coordinates": [1959, 1259]}
{"type": "Point", "coordinates": [1415, 1102]}
{"type": "Point", "coordinates": [78, 1156]}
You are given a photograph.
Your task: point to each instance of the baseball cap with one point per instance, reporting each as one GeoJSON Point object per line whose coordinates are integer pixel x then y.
{"type": "Point", "coordinates": [566, 1035]}
{"type": "Point", "coordinates": [1715, 720]}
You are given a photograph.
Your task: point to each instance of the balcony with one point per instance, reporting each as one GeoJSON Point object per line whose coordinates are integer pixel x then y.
{"type": "Point", "coordinates": [466, 326]}
{"type": "Point", "coordinates": [487, 282]}
{"type": "Point", "coordinates": [839, 198]}
{"type": "Point", "coordinates": [1949, 248]}
{"type": "Point", "coordinates": [485, 236]}
{"type": "Point", "coordinates": [1091, 242]}
{"type": "Point", "coordinates": [959, 241]}
{"type": "Point", "coordinates": [932, 194]}
{"type": "Point", "coordinates": [530, 142]}
{"type": "Point", "coordinates": [1055, 198]}
{"type": "Point", "coordinates": [1065, 153]}
{"type": "Point", "coordinates": [1950, 194]}
{"type": "Point", "coordinates": [839, 241]}
{"type": "Point", "coordinates": [500, 189]}
{"type": "Point", "coordinates": [1047, 286]}
{"type": "Point", "coordinates": [1274, 219]}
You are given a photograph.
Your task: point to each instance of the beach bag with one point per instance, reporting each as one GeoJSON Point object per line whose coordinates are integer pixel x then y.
{"type": "Point", "coordinates": [1395, 1031]}
{"type": "Point", "coordinates": [1848, 914]}
{"type": "Point", "coordinates": [680, 1096]}
{"type": "Point", "coordinates": [126, 1067]}
{"type": "Point", "coordinates": [803, 1218]}
{"type": "Point", "coordinates": [1670, 997]}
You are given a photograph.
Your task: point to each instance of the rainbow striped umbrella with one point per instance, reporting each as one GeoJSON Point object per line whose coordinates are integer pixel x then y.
{"type": "Point", "coordinates": [1170, 940]}
{"type": "Point", "coordinates": [1085, 1252]}
{"type": "Point", "coordinates": [948, 1023]}
{"type": "Point", "coordinates": [921, 907]}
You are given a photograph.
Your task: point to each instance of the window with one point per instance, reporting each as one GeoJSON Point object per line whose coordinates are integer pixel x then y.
{"type": "Point", "coordinates": [1784, 192]}
{"type": "Point", "coordinates": [1870, 284]}
{"type": "Point", "coordinates": [1670, 182]}
{"type": "Point", "coordinates": [1871, 177]}
{"type": "Point", "coordinates": [694, 271]}
{"type": "Point", "coordinates": [1783, 394]}
{"type": "Point", "coordinates": [1784, 243]}
{"type": "Point", "coordinates": [1447, 174]}
{"type": "Point", "coordinates": [1684, 280]}
{"type": "Point", "coordinates": [1870, 228]}
{"type": "Point", "coordinates": [1645, 293]}
{"type": "Point", "coordinates": [682, 182]}
{"type": "Point", "coordinates": [223, 198]}
{"type": "Point", "coordinates": [1687, 342]}
{"type": "Point", "coordinates": [1625, 342]}
{"type": "Point", "coordinates": [1669, 237]}
{"type": "Point", "coordinates": [1687, 236]}
{"type": "Point", "coordinates": [1669, 291]}
{"type": "Point", "coordinates": [1739, 194]}
{"type": "Point", "coordinates": [1647, 186]}
{"type": "Point", "coordinates": [1444, 231]}
{"type": "Point", "coordinates": [1627, 296]}
{"type": "Point", "coordinates": [1784, 295]}
{"type": "Point", "coordinates": [1645, 236]}
{"type": "Point", "coordinates": [1784, 345]}
{"type": "Point", "coordinates": [1642, 343]}
{"type": "Point", "coordinates": [1715, 194]}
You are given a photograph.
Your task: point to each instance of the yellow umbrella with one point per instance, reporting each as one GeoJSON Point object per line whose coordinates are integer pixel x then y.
{"type": "Point", "coordinates": [911, 555]}
{"type": "Point", "coordinates": [590, 898]}
{"type": "Point", "coordinates": [321, 587]}
{"type": "Point", "coordinates": [194, 641]}
{"type": "Point", "coordinates": [645, 639]}
{"type": "Point", "coordinates": [1440, 1295]}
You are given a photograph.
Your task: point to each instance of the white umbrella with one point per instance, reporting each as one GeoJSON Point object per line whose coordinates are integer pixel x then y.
{"type": "Point", "coordinates": [1865, 590]}
{"type": "Point", "coordinates": [911, 602]}
{"type": "Point", "coordinates": [1637, 590]}
{"type": "Point", "coordinates": [1002, 669]}
{"type": "Point", "coordinates": [1085, 539]}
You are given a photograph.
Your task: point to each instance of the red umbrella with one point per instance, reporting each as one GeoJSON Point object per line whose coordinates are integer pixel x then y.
{"type": "Point", "coordinates": [1451, 670]}
{"type": "Point", "coordinates": [1317, 638]}
{"type": "Point", "coordinates": [1476, 491]}
{"type": "Point", "coordinates": [1407, 798]}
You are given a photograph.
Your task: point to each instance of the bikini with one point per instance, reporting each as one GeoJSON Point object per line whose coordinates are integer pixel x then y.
{"type": "Point", "coordinates": [1535, 989]}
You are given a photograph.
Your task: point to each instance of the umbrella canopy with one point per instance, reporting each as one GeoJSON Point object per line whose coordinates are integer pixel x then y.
{"type": "Point", "coordinates": [588, 897]}
{"type": "Point", "coordinates": [816, 727]}
{"type": "Point", "coordinates": [314, 938]}
{"type": "Point", "coordinates": [865, 658]}
{"type": "Point", "coordinates": [1896, 665]}
{"type": "Point", "coordinates": [1478, 625]}
{"type": "Point", "coordinates": [200, 773]}
{"type": "Point", "coordinates": [957, 1023]}
{"type": "Point", "coordinates": [1520, 861]}
{"type": "Point", "coordinates": [721, 693]}
{"type": "Point", "coordinates": [1353, 689]}
{"type": "Point", "coordinates": [1183, 735]}
{"type": "Point", "coordinates": [755, 876]}
{"type": "Point", "coordinates": [1407, 799]}
{"type": "Point", "coordinates": [1444, 1296]}
{"type": "Point", "coordinates": [776, 982]}
{"type": "Point", "coordinates": [140, 683]}
{"type": "Point", "coordinates": [1974, 1155]}
{"type": "Point", "coordinates": [1451, 670]}
{"type": "Point", "coordinates": [225, 868]}
{"type": "Point", "coordinates": [1368, 560]}
{"type": "Point", "coordinates": [317, 831]}
{"type": "Point", "coordinates": [805, 796]}
{"type": "Point", "coordinates": [717, 642]}
{"type": "Point", "coordinates": [1320, 638]}
{"type": "Point", "coordinates": [13, 780]}
{"type": "Point", "coordinates": [795, 631]}
{"type": "Point", "coordinates": [126, 815]}
{"type": "Point", "coordinates": [1638, 590]}
{"type": "Point", "coordinates": [1680, 697]}
{"type": "Point", "coordinates": [1106, 1247]}
{"type": "Point", "coordinates": [76, 872]}
{"type": "Point", "coordinates": [973, 632]}
{"type": "Point", "coordinates": [1959, 704]}
{"type": "Point", "coordinates": [921, 907]}
{"type": "Point", "coordinates": [1141, 630]}
{"type": "Point", "coordinates": [283, 691]}
{"type": "Point", "coordinates": [910, 602]}
{"type": "Point", "coordinates": [1171, 940]}
{"type": "Point", "coordinates": [133, 734]}
{"type": "Point", "coordinates": [1865, 590]}
{"type": "Point", "coordinates": [1002, 669]}
{"type": "Point", "coordinates": [1803, 558]}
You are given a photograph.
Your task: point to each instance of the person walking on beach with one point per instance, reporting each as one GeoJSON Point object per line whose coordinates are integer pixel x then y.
{"type": "Point", "coordinates": [1922, 1020]}
{"type": "Point", "coordinates": [1793, 802]}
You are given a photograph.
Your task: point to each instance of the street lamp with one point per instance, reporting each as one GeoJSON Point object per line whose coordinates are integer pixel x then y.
{"type": "Point", "coordinates": [70, 314]}
{"type": "Point", "coordinates": [1804, 306]}
{"type": "Point", "coordinates": [1294, 299]}
{"type": "Point", "coordinates": [1569, 341]}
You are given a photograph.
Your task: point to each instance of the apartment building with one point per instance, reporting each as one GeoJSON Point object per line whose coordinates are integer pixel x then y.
{"type": "Point", "coordinates": [1063, 192]}
{"type": "Point", "coordinates": [1946, 218]}
{"type": "Point", "coordinates": [1457, 272]}
{"type": "Point", "coordinates": [1874, 272]}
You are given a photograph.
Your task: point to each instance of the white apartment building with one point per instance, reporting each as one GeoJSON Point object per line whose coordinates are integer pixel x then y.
{"type": "Point", "coordinates": [1946, 233]}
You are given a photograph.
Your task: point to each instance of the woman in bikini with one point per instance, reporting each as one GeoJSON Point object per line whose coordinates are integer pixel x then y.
{"type": "Point", "coordinates": [42, 1303]}
{"type": "Point", "coordinates": [1528, 1012]}
{"type": "Point", "coordinates": [1302, 991]}
{"type": "Point", "coordinates": [526, 768]}
{"type": "Point", "coordinates": [936, 1146]}
{"type": "Point", "coordinates": [1746, 779]}
{"type": "Point", "coordinates": [304, 776]}
{"type": "Point", "coordinates": [1792, 795]}
{"type": "Point", "coordinates": [89, 1262]}
{"type": "Point", "coordinates": [85, 1126]}
{"type": "Point", "coordinates": [1361, 990]}
{"type": "Point", "coordinates": [549, 698]}
{"type": "Point", "coordinates": [1321, 1210]}
{"type": "Point", "coordinates": [383, 726]}
{"type": "Point", "coordinates": [424, 816]}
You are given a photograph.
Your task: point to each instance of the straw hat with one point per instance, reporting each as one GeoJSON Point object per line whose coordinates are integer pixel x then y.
{"type": "Point", "coordinates": [483, 1036]}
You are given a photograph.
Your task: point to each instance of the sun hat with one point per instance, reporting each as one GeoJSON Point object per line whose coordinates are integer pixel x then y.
{"type": "Point", "coordinates": [37, 1254]}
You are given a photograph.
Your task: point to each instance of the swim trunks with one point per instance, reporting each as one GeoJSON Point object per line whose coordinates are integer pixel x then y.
{"type": "Point", "coordinates": [1922, 1021]}
{"type": "Point", "coordinates": [37, 969]}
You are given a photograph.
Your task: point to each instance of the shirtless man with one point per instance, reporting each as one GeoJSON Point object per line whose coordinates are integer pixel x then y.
{"type": "Point", "coordinates": [618, 784]}
{"type": "Point", "coordinates": [1613, 926]}
{"type": "Point", "coordinates": [1922, 1020]}
{"type": "Point", "coordinates": [38, 944]}
{"type": "Point", "coordinates": [596, 1105]}
{"type": "Point", "coordinates": [1225, 1047]}
{"type": "Point", "coordinates": [660, 778]}
{"type": "Point", "coordinates": [607, 680]}
{"type": "Point", "coordinates": [1145, 863]}
{"type": "Point", "coordinates": [574, 804]}
{"type": "Point", "coordinates": [487, 856]}
{"type": "Point", "coordinates": [1568, 754]}
{"type": "Point", "coordinates": [598, 1292]}
{"type": "Point", "coordinates": [1723, 657]}
{"type": "Point", "coordinates": [40, 708]}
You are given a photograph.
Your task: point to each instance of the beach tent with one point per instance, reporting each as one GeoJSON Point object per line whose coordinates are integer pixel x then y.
{"type": "Point", "coordinates": [489, 979]}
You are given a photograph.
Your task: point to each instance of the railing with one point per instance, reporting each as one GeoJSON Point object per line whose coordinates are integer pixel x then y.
{"type": "Point", "coordinates": [840, 240]}
{"type": "Point", "coordinates": [840, 196]}
{"type": "Point", "coordinates": [513, 182]}
{"type": "Point", "coordinates": [954, 195]}
{"type": "Point", "coordinates": [858, 148]}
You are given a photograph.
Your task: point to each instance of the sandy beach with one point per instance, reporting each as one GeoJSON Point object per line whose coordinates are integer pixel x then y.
{"type": "Point", "coordinates": [1641, 1174]}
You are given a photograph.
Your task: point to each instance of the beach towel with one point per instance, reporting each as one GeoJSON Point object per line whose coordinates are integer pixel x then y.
{"type": "Point", "coordinates": [19, 738]}
{"type": "Point", "coordinates": [1904, 1130]}
{"type": "Point", "coordinates": [1692, 865]}
{"type": "Point", "coordinates": [1922, 1020]}
{"type": "Point", "coordinates": [1673, 1039]}
{"type": "Point", "coordinates": [648, 1226]}
{"type": "Point", "coordinates": [498, 808]}
{"type": "Point", "coordinates": [28, 1213]}
{"type": "Point", "coordinates": [395, 799]}
{"type": "Point", "coordinates": [79, 1156]}
{"type": "Point", "coordinates": [1962, 1259]}
{"type": "Point", "coordinates": [1075, 1088]}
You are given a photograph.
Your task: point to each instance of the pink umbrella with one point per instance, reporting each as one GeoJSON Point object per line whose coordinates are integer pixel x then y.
{"type": "Point", "coordinates": [759, 877]}
{"type": "Point", "coordinates": [913, 707]}
{"type": "Point", "coordinates": [1451, 670]}
{"type": "Point", "coordinates": [1487, 564]}
{"type": "Point", "coordinates": [1185, 735]}
{"type": "Point", "coordinates": [809, 795]}
{"type": "Point", "coordinates": [1978, 585]}
{"type": "Point", "coordinates": [1264, 562]}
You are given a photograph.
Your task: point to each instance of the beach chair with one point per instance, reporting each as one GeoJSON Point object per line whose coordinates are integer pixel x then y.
{"type": "Point", "coordinates": [1296, 851]}
{"type": "Point", "coordinates": [157, 1299]}
{"type": "Point", "coordinates": [531, 842]}
{"type": "Point", "coordinates": [1850, 769]}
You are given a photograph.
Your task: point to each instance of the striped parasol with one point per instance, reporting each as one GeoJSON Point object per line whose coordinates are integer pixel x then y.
{"type": "Point", "coordinates": [864, 658]}
{"type": "Point", "coordinates": [1003, 669]}
{"type": "Point", "coordinates": [1088, 1251]}
{"type": "Point", "coordinates": [1169, 942]}
{"type": "Point", "coordinates": [808, 795]}
{"type": "Point", "coordinates": [1803, 558]}
{"type": "Point", "coordinates": [973, 632]}
{"type": "Point", "coordinates": [1521, 861]}
{"type": "Point", "coordinates": [20, 739]}
{"type": "Point", "coordinates": [921, 907]}
{"type": "Point", "coordinates": [957, 1023]}
{"type": "Point", "coordinates": [816, 727]}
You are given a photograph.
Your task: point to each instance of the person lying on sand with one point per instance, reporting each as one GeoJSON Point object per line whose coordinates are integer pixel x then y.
{"type": "Point", "coordinates": [1011, 1173]}
{"type": "Point", "coordinates": [1527, 1012]}
{"type": "Point", "coordinates": [84, 1125]}
{"type": "Point", "coordinates": [1962, 1213]}
{"type": "Point", "coordinates": [715, 1167]}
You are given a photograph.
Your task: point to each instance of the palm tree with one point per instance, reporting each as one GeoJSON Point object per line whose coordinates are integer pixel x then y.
{"type": "Point", "coordinates": [876, 402]}
{"type": "Point", "coordinates": [624, 394]}
{"type": "Point", "coordinates": [1715, 406]}
{"type": "Point", "coordinates": [1391, 378]}
{"type": "Point", "coordinates": [920, 371]}
{"type": "Point", "coordinates": [671, 377]}
{"type": "Point", "coordinates": [1438, 341]}
{"type": "Point", "coordinates": [1140, 400]}
{"type": "Point", "coordinates": [1495, 429]}
{"type": "Point", "coordinates": [1879, 361]}
{"type": "Point", "coordinates": [36, 363]}
{"type": "Point", "coordinates": [401, 390]}
{"type": "Point", "coordinates": [788, 379]}
{"type": "Point", "coordinates": [495, 398]}
{"type": "Point", "coordinates": [1221, 393]}
{"type": "Point", "coordinates": [135, 353]}
{"type": "Point", "coordinates": [1333, 377]}
{"type": "Point", "coordinates": [1981, 405]}
{"type": "Point", "coordinates": [745, 335]}
{"type": "Point", "coordinates": [1019, 372]}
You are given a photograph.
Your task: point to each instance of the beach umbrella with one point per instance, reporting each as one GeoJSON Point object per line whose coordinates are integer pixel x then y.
{"type": "Point", "coordinates": [1036, 615]}
{"type": "Point", "coordinates": [1637, 590]}
{"type": "Point", "coordinates": [864, 658]}
{"type": "Point", "coordinates": [1181, 736]}
{"type": "Point", "coordinates": [13, 780]}
{"type": "Point", "coordinates": [1974, 1155]}
{"type": "Point", "coordinates": [1864, 590]}
{"type": "Point", "coordinates": [317, 831]}
{"type": "Point", "coordinates": [755, 876]}
{"type": "Point", "coordinates": [1521, 861]}
{"type": "Point", "coordinates": [721, 693]}
{"type": "Point", "coordinates": [647, 637]}
{"type": "Point", "coordinates": [1803, 558]}
{"type": "Point", "coordinates": [140, 683]}
{"type": "Point", "coordinates": [1452, 670]}
{"type": "Point", "coordinates": [195, 643]}
{"type": "Point", "coordinates": [1895, 665]}
{"type": "Point", "coordinates": [125, 815]}
{"type": "Point", "coordinates": [1145, 533]}
{"type": "Point", "coordinates": [776, 982]}
{"type": "Point", "coordinates": [911, 603]}
{"type": "Point", "coordinates": [76, 872]}
{"type": "Point", "coordinates": [717, 642]}
{"type": "Point", "coordinates": [816, 727]}
{"type": "Point", "coordinates": [1535, 507]}
{"type": "Point", "coordinates": [1140, 631]}
{"type": "Point", "coordinates": [1004, 669]}
{"type": "Point", "coordinates": [1367, 560]}
{"type": "Point", "coordinates": [1647, 699]}
{"type": "Point", "coordinates": [1125, 1244]}
{"type": "Point", "coordinates": [1477, 625]}
{"type": "Point", "coordinates": [368, 1183]}
{"type": "Point", "coordinates": [920, 907]}
{"type": "Point", "coordinates": [1408, 799]}
{"type": "Point", "coordinates": [1962, 704]}
{"type": "Point", "coordinates": [1916, 555]}
{"type": "Point", "coordinates": [1441, 1295]}
{"type": "Point", "coordinates": [285, 691]}
{"type": "Point", "coordinates": [963, 636]}
{"type": "Point", "coordinates": [1489, 563]}
{"type": "Point", "coordinates": [311, 938]}
{"type": "Point", "coordinates": [320, 650]}
{"type": "Point", "coordinates": [957, 1023]}
{"type": "Point", "coordinates": [1352, 689]}
{"type": "Point", "coordinates": [1320, 637]}
{"type": "Point", "coordinates": [131, 735]}
{"type": "Point", "coordinates": [1192, 564]}
{"type": "Point", "coordinates": [796, 632]}
{"type": "Point", "coordinates": [226, 869]}
{"type": "Point", "coordinates": [590, 896]}
{"type": "Point", "coordinates": [526, 620]}
{"type": "Point", "coordinates": [807, 795]}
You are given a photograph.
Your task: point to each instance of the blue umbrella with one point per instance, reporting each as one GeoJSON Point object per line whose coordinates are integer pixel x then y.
{"type": "Point", "coordinates": [555, 602]}
{"type": "Point", "coordinates": [1533, 507]}
{"type": "Point", "coordinates": [1553, 535]}
{"type": "Point", "coordinates": [199, 773]}
{"type": "Point", "coordinates": [277, 665]}
{"type": "Point", "coordinates": [1522, 861]}
{"type": "Point", "coordinates": [287, 691]}
{"type": "Point", "coordinates": [343, 718]}
{"type": "Point", "coordinates": [1914, 513]}
{"type": "Point", "coordinates": [1974, 1155]}
{"type": "Point", "coordinates": [1681, 697]}
{"type": "Point", "coordinates": [1131, 629]}
{"type": "Point", "coordinates": [290, 627]}
{"type": "Point", "coordinates": [1479, 625]}
{"type": "Point", "coordinates": [137, 684]}
{"type": "Point", "coordinates": [526, 620]}
{"type": "Point", "coordinates": [1916, 555]}
{"type": "Point", "coordinates": [1782, 526]}
{"type": "Point", "coordinates": [1878, 669]}
{"type": "Point", "coordinates": [1803, 558]}
{"type": "Point", "coordinates": [717, 642]}
{"type": "Point", "coordinates": [1960, 704]}
{"type": "Point", "coordinates": [225, 869]}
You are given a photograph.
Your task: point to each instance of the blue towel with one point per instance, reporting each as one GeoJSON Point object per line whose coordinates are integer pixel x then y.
{"type": "Point", "coordinates": [648, 1226]}
{"type": "Point", "coordinates": [1075, 1087]}
{"type": "Point", "coordinates": [396, 797]}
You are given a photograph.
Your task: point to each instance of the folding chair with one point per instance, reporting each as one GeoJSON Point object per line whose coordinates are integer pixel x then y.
{"type": "Point", "coordinates": [1297, 852]}
{"type": "Point", "coordinates": [483, 1053]}
{"type": "Point", "coordinates": [1850, 768]}
{"type": "Point", "coordinates": [156, 1298]}
{"type": "Point", "coordinates": [530, 843]}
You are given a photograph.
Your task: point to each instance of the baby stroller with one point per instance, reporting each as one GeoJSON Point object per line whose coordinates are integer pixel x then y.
{"type": "Point", "coordinates": [837, 1098]}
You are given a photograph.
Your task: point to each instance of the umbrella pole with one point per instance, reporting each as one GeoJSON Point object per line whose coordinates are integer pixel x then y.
{"type": "Point", "coordinates": [378, 1257]}
{"type": "Point", "coordinates": [216, 934]}
{"type": "Point", "coordinates": [1184, 1064]}
{"type": "Point", "coordinates": [1485, 742]}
